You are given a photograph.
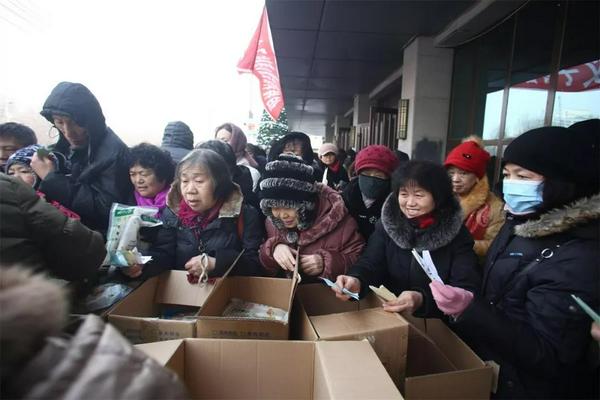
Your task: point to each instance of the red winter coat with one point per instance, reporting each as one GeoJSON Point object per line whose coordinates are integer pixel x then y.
{"type": "Point", "coordinates": [334, 236]}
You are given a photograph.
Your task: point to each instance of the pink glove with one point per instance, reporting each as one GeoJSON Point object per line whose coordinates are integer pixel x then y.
{"type": "Point", "coordinates": [449, 299]}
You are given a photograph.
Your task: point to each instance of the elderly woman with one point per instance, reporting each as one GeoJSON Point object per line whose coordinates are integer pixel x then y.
{"type": "Point", "coordinates": [235, 137]}
{"type": "Point", "coordinates": [483, 214]}
{"type": "Point", "coordinates": [525, 319]}
{"type": "Point", "coordinates": [151, 172]}
{"type": "Point", "coordinates": [421, 213]}
{"type": "Point", "coordinates": [307, 218]}
{"type": "Point", "coordinates": [206, 224]}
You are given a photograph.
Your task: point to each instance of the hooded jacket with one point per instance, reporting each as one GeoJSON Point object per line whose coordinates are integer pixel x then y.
{"type": "Point", "coordinates": [484, 215]}
{"type": "Point", "coordinates": [178, 139]}
{"type": "Point", "coordinates": [98, 173]}
{"type": "Point", "coordinates": [307, 152]}
{"type": "Point", "coordinates": [35, 234]}
{"type": "Point", "coordinates": [96, 362]}
{"type": "Point", "coordinates": [221, 239]}
{"type": "Point", "coordinates": [333, 235]}
{"type": "Point", "coordinates": [388, 259]}
{"type": "Point", "coordinates": [527, 322]}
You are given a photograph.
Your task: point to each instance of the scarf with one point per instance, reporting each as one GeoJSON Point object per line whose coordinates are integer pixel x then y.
{"type": "Point", "coordinates": [195, 220]}
{"type": "Point", "coordinates": [335, 167]}
{"type": "Point", "coordinates": [422, 221]}
{"type": "Point", "coordinates": [159, 201]}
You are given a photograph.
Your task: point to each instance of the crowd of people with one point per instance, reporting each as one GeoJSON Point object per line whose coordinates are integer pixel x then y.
{"type": "Point", "coordinates": [506, 262]}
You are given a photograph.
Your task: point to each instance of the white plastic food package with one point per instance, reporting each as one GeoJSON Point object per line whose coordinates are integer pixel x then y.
{"type": "Point", "coordinates": [123, 234]}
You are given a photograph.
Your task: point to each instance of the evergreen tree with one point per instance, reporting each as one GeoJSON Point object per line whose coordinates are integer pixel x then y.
{"type": "Point", "coordinates": [270, 130]}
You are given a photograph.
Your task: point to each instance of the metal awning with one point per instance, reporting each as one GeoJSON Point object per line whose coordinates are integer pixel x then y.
{"type": "Point", "coordinates": [327, 51]}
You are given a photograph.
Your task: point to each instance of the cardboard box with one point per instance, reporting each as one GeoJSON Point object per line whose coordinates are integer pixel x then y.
{"type": "Point", "coordinates": [441, 365]}
{"type": "Point", "coordinates": [137, 316]}
{"type": "Point", "coordinates": [319, 315]}
{"type": "Point", "coordinates": [438, 364]}
{"type": "Point", "coordinates": [274, 292]}
{"type": "Point", "coordinates": [255, 369]}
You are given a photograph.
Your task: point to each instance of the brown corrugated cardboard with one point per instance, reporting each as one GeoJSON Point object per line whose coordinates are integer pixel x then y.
{"type": "Point", "coordinates": [441, 365]}
{"type": "Point", "coordinates": [273, 292]}
{"type": "Point", "coordinates": [438, 363]}
{"type": "Point", "coordinates": [136, 316]}
{"type": "Point", "coordinates": [254, 369]}
{"type": "Point", "coordinates": [319, 315]}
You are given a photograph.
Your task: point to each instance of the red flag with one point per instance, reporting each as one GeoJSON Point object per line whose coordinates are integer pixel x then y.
{"type": "Point", "coordinates": [259, 59]}
{"type": "Point", "coordinates": [573, 79]}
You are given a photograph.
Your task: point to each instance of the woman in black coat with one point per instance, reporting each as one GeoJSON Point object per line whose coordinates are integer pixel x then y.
{"type": "Point", "coordinates": [206, 224]}
{"type": "Point", "coordinates": [422, 214]}
{"type": "Point", "coordinates": [525, 319]}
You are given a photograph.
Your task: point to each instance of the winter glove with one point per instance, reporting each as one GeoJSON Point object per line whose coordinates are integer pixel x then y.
{"type": "Point", "coordinates": [449, 299]}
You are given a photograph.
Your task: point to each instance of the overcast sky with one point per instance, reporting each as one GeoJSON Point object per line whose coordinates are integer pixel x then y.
{"type": "Point", "coordinates": [148, 62]}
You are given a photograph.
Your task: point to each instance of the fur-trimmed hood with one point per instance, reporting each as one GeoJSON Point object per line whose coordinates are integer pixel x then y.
{"type": "Point", "coordinates": [558, 220]}
{"type": "Point", "coordinates": [448, 221]}
{"type": "Point", "coordinates": [231, 207]}
{"type": "Point", "coordinates": [32, 309]}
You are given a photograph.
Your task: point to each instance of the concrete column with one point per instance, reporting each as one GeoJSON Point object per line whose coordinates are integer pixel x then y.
{"type": "Point", "coordinates": [426, 83]}
{"type": "Point", "coordinates": [362, 109]}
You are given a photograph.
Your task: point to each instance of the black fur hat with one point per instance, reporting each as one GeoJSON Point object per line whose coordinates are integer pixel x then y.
{"type": "Point", "coordinates": [288, 183]}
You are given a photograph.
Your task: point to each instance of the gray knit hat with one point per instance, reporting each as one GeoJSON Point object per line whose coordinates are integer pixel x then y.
{"type": "Point", "coordinates": [289, 183]}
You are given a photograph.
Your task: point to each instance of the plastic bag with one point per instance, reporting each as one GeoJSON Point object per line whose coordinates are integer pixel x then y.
{"type": "Point", "coordinates": [123, 233]}
{"type": "Point", "coordinates": [238, 308]}
{"type": "Point", "coordinates": [106, 295]}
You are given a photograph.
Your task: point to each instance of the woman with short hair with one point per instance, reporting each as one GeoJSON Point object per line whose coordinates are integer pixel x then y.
{"type": "Point", "coordinates": [151, 171]}
{"type": "Point", "coordinates": [422, 214]}
{"type": "Point", "coordinates": [206, 224]}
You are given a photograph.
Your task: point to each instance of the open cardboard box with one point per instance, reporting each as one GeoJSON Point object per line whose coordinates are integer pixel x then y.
{"type": "Point", "coordinates": [441, 365]}
{"type": "Point", "coordinates": [273, 292]}
{"type": "Point", "coordinates": [438, 364]}
{"type": "Point", "coordinates": [258, 369]}
{"type": "Point", "coordinates": [137, 315]}
{"type": "Point", "coordinates": [319, 315]}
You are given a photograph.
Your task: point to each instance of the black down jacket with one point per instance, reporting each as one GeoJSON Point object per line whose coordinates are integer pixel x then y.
{"type": "Point", "coordinates": [527, 321]}
{"type": "Point", "coordinates": [388, 259]}
{"type": "Point", "coordinates": [366, 218]}
{"type": "Point", "coordinates": [223, 239]}
{"type": "Point", "coordinates": [98, 175]}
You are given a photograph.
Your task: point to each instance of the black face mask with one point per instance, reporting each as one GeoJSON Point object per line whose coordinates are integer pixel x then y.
{"type": "Point", "coordinates": [372, 187]}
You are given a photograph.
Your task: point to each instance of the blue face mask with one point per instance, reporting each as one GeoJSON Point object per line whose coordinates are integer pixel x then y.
{"type": "Point", "coordinates": [522, 197]}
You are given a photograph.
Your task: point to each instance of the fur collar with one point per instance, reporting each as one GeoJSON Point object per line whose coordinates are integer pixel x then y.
{"type": "Point", "coordinates": [231, 207]}
{"type": "Point", "coordinates": [448, 221]}
{"type": "Point", "coordinates": [476, 197]}
{"type": "Point", "coordinates": [562, 219]}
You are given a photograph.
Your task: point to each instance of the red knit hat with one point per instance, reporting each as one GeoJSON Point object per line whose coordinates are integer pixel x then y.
{"type": "Point", "coordinates": [469, 156]}
{"type": "Point", "coordinates": [378, 157]}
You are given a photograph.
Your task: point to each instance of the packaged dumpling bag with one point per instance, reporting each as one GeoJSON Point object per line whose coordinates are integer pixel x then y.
{"type": "Point", "coordinates": [124, 231]}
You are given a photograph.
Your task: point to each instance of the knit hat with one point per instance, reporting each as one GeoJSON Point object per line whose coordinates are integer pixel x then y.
{"type": "Point", "coordinates": [289, 183]}
{"type": "Point", "coordinates": [566, 154]}
{"type": "Point", "coordinates": [378, 157]}
{"type": "Point", "coordinates": [328, 148]}
{"type": "Point", "coordinates": [469, 156]}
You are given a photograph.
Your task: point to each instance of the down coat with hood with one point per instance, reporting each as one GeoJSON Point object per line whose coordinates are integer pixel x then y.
{"type": "Point", "coordinates": [99, 172]}
{"type": "Point", "coordinates": [388, 259]}
{"type": "Point", "coordinates": [532, 327]}
{"type": "Point", "coordinates": [333, 235]}
{"type": "Point", "coordinates": [96, 362]}
{"type": "Point", "coordinates": [35, 234]}
{"type": "Point", "coordinates": [178, 140]}
{"type": "Point", "coordinates": [222, 238]}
